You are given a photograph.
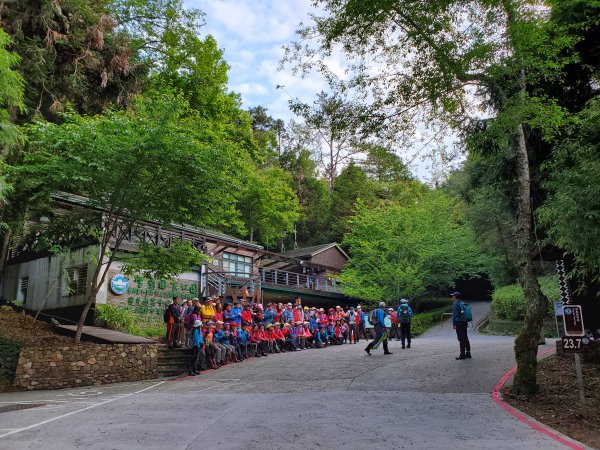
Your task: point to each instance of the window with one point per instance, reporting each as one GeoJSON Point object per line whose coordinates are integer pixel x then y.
{"type": "Point", "coordinates": [77, 281]}
{"type": "Point", "coordinates": [22, 292]}
{"type": "Point", "coordinates": [237, 265]}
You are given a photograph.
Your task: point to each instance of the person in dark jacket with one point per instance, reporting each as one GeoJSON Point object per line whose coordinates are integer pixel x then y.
{"type": "Point", "coordinates": [405, 317]}
{"type": "Point", "coordinates": [177, 322]}
{"type": "Point", "coordinates": [460, 325]}
{"type": "Point", "coordinates": [379, 331]}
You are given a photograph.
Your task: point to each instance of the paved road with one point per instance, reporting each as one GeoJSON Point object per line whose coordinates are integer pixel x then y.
{"type": "Point", "coordinates": [418, 398]}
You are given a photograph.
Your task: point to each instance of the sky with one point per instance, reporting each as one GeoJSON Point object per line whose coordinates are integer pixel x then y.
{"type": "Point", "coordinates": [252, 34]}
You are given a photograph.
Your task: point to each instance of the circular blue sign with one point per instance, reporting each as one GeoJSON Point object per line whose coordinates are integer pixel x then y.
{"type": "Point", "coordinates": [119, 284]}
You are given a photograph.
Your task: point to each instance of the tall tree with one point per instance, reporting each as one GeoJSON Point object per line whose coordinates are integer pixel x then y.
{"type": "Point", "coordinates": [334, 124]}
{"type": "Point", "coordinates": [268, 204]}
{"type": "Point", "coordinates": [11, 101]}
{"type": "Point", "coordinates": [405, 249]}
{"type": "Point", "coordinates": [72, 54]}
{"type": "Point", "coordinates": [439, 54]}
{"type": "Point", "coordinates": [149, 163]}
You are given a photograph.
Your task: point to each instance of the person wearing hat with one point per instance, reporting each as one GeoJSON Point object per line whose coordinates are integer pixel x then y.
{"type": "Point", "coordinates": [287, 314]}
{"type": "Point", "coordinates": [269, 314]}
{"type": "Point", "coordinates": [279, 337]}
{"type": "Point", "coordinates": [405, 317]}
{"type": "Point", "coordinates": [222, 340]}
{"type": "Point", "coordinates": [320, 337]}
{"type": "Point", "coordinates": [362, 317]}
{"type": "Point", "coordinates": [380, 331]}
{"type": "Point", "coordinates": [212, 351]}
{"type": "Point", "coordinates": [460, 325]}
{"type": "Point", "coordinates": [261, 339]}
{"type": "Point", "coordinates": [351, 316]}
{"type": "Point", "coordinates": [207, 310]}
{"type": "Point", "coordinates": [237, 312]}
{"type": "Point", "coordinates": [197, 359]}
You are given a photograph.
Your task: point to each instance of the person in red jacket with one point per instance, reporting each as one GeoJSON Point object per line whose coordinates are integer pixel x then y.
{"type": "Point", "coordinates": [279, 337]}
{"type": "Point", "coordinates": [262, 338]}
{"type": "Point", "coordinates": [271, 344]}
{"type": "Point", "coordinates": [298, 314]}
{"type": "Point", "coordinates": [247, 316]}
{"type": "Point", "coordinates": [255, 338]}
{"type": "Point", "coordinates": [308, 336]}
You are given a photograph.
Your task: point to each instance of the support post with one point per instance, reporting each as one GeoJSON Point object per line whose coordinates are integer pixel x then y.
{"type": "Point", "coordinates": [579, 378]}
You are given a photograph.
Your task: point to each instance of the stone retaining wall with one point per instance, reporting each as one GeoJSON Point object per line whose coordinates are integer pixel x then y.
{"type": "Point", "coordinates": [85, 364]}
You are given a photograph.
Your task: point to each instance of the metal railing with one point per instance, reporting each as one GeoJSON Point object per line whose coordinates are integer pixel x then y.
{"type": "Point", "coordinates": [296, 280]}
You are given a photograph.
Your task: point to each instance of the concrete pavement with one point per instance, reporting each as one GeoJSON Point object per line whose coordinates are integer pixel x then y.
{"type": "Point", "coordinates": [418, 398]}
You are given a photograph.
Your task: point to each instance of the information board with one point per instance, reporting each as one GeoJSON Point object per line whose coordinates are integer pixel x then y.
{"type": "Point", "coordinates": [573, 319]}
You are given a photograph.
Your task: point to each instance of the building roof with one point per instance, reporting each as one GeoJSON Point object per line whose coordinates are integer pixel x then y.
{"type": "Point", "coordinates": [82, 201]}
{"type": "Point", "coordinates": [309, 252]}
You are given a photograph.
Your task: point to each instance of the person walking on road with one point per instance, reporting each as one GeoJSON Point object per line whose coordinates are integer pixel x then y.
{"type": "Point", "coordinates": [460, 325]}
{"type": "Point", "coordinates": [379, 326]}
{"type": "Point", "coordinates": [404, 317]}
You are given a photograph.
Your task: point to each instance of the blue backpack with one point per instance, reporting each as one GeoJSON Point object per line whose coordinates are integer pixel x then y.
{"type": "Point", "coordinates": [465, 312]}
{"type": "Point", "coordinates": [373, 317]}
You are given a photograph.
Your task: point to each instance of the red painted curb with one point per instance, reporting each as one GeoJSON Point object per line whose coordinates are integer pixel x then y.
{"type": "Point", "coordinates": [517, 414]}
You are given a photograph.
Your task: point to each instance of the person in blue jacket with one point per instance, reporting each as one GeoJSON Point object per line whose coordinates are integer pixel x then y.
{"type": "Point", "coordinates": [460, 325]}
{"type": "Point", "coordinates": [197, 361]}
{"type": "Point", "coordinates": [320, 337]}
{"type": "Point", "coordinates": [243, 339]}
{"type": "Point", "coordinates": [379, 330]}
{"type": "Point", "coordinates": [403, 301]}
{"type": "Point", "coordinates": [269, 314]}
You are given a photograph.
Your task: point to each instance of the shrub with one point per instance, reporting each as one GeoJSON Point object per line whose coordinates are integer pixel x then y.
{"type": "Point", "coordinates": [422, 322]}
{"type": "Point", "coordinates": [116, 318]}
{"type": "Point", "coordinates": [508, 302]}
{"type": "Point", "coordinates": [425, 304]}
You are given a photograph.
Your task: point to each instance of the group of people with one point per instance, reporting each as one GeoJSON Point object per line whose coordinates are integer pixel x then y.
{"type": "Point", "coordinates": [222, 333]}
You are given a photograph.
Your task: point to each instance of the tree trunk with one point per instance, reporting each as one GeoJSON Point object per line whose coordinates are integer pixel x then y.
{"type": "Point", "coordinates": [4, 250]}
{"type": "Point", "coordinates": [526, 344]}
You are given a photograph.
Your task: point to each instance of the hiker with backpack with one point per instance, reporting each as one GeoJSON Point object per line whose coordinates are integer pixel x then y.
{"type": "Point", "coordinates": [377, 318]}
{"type": "Point", "coordinates": [461, 316]}
{"type": "Point", "coordinates": [405, 315]}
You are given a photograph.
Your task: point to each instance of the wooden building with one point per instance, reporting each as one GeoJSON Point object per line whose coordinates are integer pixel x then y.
{"type": "Point", "coordinates": [59, 284]}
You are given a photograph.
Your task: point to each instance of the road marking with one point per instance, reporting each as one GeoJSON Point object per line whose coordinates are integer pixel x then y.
{"type": "Point", "coordinates": [35, 425]}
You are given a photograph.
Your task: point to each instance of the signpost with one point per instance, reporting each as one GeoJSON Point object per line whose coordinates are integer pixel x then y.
{"type": "Point", "coordinates": [573, 341]}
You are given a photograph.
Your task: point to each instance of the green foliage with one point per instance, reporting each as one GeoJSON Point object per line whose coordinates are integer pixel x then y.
{"type": "Point", "coordinates": [9, 357]}
{"type": "Point", "coordinates": [116, 318]}
{"type": "Point", "coordinates": [423, 321]}
{"type": "Point", "coordinates": [11, 96]}
{"type": "Point", "coordinates": [72, 53]}
{"type": "Point", "coordinates": [405, 249]}
{"type": "Point", "coordinates": [149, 163]}
{"type": "Point", "coordinates": [163, 262]}
{"type": "Point", "coordinates": [424, 304]}
{"type": "Point", "coordinates": [509, 301]}
{"type": "Point", "coordinates": [268, 204]}
{"type": "Point", "coordinates": [148, 330]}
{"type": "Point", "coordinates": [571, 212]}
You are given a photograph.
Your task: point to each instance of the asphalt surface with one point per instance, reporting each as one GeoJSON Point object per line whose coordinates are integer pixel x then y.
{"type": "Point", "coordinates": [418, 398]}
